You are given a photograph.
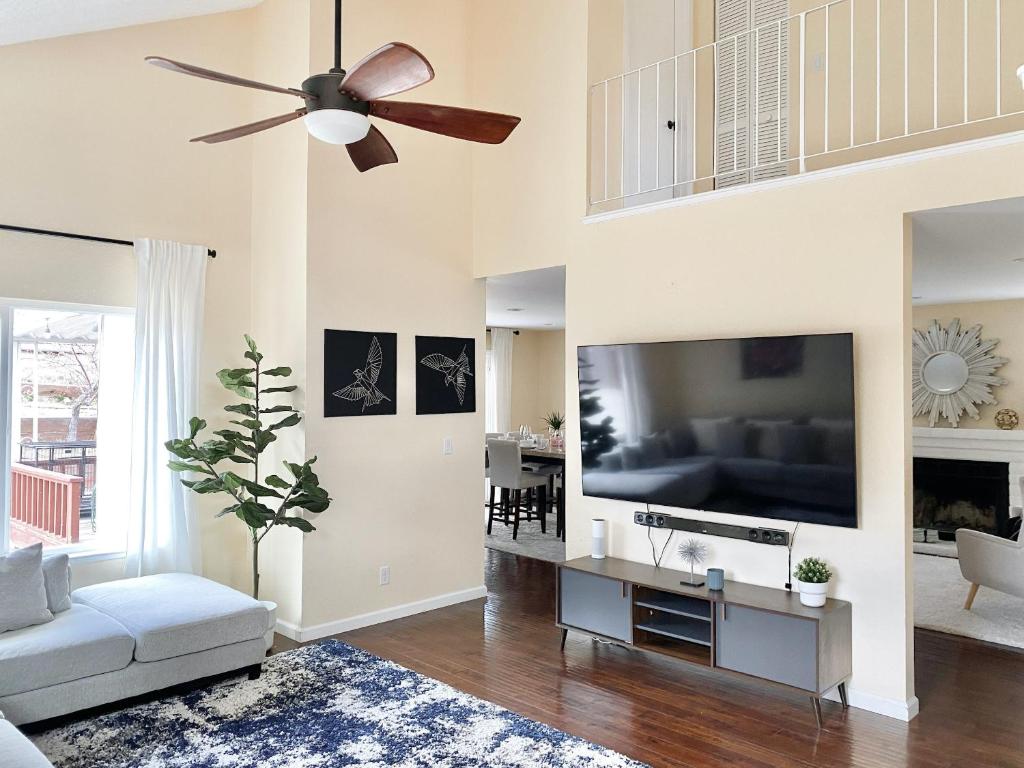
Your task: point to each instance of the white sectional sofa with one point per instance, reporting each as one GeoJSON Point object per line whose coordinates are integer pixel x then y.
{"type": "Point", "coordinates": [18, 752]}
{"type": "Point", "coordinates": [125, 638]}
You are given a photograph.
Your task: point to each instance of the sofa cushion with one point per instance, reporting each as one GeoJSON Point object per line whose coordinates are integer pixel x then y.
{"type": "Point", "coordinates": [16, 750]}
{"type": "Point", "coordinates": [172, 614]}
{"type": "Point", "coordinates": [57, 582]}
{"type": "Point", "coordinates": [78, 643]}
{"type": "Point", "coordinates": [22, 594]}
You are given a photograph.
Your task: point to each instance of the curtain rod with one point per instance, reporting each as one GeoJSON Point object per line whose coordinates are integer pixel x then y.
{"type": "Point", "coordinates": [70, 235]}
{"type": "Point", "coordinates": [514, 333]}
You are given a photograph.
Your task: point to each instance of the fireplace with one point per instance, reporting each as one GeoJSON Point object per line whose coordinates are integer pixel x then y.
{"type": "Point", "coordinates": [956, 493]}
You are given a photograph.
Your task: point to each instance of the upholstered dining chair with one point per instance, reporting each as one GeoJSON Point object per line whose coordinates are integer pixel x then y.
{"type": "Point", "coordinates": [507, 475]}
{"type": "Point", "coordinates": [990, 561]}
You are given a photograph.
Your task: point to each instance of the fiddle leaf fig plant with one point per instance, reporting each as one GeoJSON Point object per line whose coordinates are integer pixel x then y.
{"type": "Point", "coordinates": [261, 502]}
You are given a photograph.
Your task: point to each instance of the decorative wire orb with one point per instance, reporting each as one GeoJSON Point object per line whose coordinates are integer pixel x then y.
{"type": "Point", "coordinates": [693, 552]}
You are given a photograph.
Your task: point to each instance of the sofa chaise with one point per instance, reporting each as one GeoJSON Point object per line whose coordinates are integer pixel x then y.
{"type": "Point", "coordinates": [125, 638]}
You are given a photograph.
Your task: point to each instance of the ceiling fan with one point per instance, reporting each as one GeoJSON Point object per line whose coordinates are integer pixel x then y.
{"type": "Point", "coordinates": [339, 103]}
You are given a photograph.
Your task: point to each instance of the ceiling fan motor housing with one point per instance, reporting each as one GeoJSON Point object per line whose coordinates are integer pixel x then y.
{"type": "Point", "coordinates": [325, 88]}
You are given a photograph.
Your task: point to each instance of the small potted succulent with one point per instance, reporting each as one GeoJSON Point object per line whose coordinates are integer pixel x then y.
{"type": "Point", "coordinates": [812, 577]}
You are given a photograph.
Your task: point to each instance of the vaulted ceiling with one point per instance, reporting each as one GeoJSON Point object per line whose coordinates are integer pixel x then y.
{"type": "Point", "coordinates": [23, 20]}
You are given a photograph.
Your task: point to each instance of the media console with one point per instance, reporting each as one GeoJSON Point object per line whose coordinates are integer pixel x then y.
{"type": "Point", "coordinates": [756, 631]}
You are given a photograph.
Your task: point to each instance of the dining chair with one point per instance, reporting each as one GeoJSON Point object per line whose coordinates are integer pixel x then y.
{"type": "Point", "coordinates": [487, 466]}
{"type": "Point", "coordinates": [551, 471]}
{"type": "Point", "coordinates": [506, 465]}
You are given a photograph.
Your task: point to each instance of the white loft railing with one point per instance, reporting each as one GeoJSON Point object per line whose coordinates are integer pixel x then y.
{"type": "Point", "coordinates": [845, 81]}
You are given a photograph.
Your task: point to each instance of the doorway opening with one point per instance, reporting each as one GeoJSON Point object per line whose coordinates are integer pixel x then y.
{"type": "Point", "coordinates": [967, 402]}
{"type": "Point", "coordinates": [525, 412]}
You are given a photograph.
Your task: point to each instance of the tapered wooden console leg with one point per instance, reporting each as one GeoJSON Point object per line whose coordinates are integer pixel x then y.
{"type": "Point", "coordinates": [973, 593]}
{"type": "Point", "coordinates": [842, 696]}
{"type": "Point", "coordinates": [816, 703]}
{"type": "Point", "coordinates": [565, 634]}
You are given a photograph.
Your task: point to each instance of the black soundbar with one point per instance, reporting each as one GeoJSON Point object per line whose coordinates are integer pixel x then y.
{"type": "Point", "coordinates": [757, 535]}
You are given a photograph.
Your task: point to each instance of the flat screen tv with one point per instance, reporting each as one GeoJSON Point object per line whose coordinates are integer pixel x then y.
{"type": "Point", "coordinates": [757, 426]}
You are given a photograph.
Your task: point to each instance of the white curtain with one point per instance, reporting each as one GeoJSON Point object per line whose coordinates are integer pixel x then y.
{"type": "Point", "coordinates": [501, 360]}
{"type": "Point", "coordinates": [162, 531]}
{"type": "Point", "coordinates": [114, 428]}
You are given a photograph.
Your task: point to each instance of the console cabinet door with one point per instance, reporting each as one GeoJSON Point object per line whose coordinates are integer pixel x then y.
{"type": "Point", "coordinates": [767, 645]}
{"type": "Point", "coordinates": [595, 604]}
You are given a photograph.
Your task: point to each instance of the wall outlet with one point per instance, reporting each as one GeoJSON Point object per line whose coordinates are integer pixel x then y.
{"type": "Point", "coordinates": [447, 446]}
{"type": "Point", "coordinates": [385, 575]}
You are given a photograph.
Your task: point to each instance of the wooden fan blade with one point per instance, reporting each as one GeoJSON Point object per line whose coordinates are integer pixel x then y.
{"type": "Point", "coordinates": [391, 69]}
{"type": "Point", "coordinates": [372, 151]}
{"type": "Point", "coordinates": [245, 130]}
{"type": "Point", "coordinates": [460, 123]}
{"type": "Point", "coordinates": [209, 74]}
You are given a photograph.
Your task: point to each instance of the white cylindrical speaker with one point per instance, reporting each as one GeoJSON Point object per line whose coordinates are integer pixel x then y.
{"type": "Point", "coordinates": [599, 534]}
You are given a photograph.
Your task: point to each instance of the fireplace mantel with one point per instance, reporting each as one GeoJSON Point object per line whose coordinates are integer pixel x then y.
{"type": "Point", "coordinates": [975, 445]}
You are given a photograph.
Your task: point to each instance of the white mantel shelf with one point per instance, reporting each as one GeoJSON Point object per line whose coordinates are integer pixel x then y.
{"type": "Point", "coordinates": [1006, 445]}
{"type": "Point", "coordinates": [928, 440]}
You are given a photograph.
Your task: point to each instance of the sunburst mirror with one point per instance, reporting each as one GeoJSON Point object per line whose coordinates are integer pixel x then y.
{"type": "Point", "coordinates": [954, 371]}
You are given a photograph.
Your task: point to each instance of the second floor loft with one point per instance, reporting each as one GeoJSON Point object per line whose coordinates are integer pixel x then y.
{"type": "Point", "coordinates": [690, 96]}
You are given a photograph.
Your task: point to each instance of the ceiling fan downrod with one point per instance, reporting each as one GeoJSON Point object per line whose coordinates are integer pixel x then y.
{"type": "Point", "coordinates": [337, 38]}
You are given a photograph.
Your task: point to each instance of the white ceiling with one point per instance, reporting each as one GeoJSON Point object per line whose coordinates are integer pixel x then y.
{"type": "Point", "coordinates": [539, 294]}
{"type": "Point", "coordinates": [23, 20]}
{"type": "Point", "coordinates": [966, 253]}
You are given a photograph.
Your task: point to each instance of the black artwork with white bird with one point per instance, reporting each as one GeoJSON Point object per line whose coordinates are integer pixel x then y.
{"type": "Point", "coordinates": [365, 385]}
{"type": "Point", "coordinates": [455, 371]}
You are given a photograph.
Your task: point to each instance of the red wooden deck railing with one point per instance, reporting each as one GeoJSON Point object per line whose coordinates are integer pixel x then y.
{"type": "Point", "coordinates": [46, 502]}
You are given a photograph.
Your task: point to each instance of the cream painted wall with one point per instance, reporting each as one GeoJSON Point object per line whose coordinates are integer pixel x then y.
{"type": "Point", "coordinates": [281, 54]}
{"type": "Point", "coordinates": [538, 377]}
{"type": "Point", "coordinates": [95, 141]}
{"type": "Point", "coordinates": [825, 253]}
{"type": "Point", "coordinates": [1003, 320]}
{"type": "Point", "coordinates": [529, 59]}
{"type": "Point", "coordinates": [391, 250]}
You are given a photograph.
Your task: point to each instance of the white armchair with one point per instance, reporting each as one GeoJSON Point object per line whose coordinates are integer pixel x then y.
{"type": "Point", "coordinates": [990, 561]}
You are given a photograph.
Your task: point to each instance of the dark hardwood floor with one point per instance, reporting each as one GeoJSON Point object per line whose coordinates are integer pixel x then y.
{"type": "Point", "coordinates": [665, 713]}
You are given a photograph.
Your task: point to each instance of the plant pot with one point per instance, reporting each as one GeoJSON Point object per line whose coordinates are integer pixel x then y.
{"type": "Point", "coordinates": [813, 595]}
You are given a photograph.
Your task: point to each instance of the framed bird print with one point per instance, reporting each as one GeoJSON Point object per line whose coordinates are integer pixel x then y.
{"type": "Point", "coordinates": [360, 373]}
{"type": "Point", "coordinates": [445, 375]}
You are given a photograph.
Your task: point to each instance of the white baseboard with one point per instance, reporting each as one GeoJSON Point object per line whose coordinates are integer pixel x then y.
{"type": "Point", "coordinates": [289, 630]}
{"type": "Point", "coordinates": [894, 708]}
{"type": "Point", "coordinates": [305, 634]}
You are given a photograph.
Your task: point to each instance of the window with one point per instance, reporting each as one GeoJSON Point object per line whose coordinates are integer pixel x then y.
{"type": "Point", "coordinates": [490, 395]}
{"type": "Point", "coordinates": [66, 377]}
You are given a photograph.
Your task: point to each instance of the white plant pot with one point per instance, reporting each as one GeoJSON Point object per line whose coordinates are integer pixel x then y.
{"type": "Point", "coordinates": [813, 595]}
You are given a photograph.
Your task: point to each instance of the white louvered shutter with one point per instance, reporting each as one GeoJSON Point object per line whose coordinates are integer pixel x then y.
{"type": "Point", "coordinates": [748, 30]}
{"type": "Point", "coordinates": [732, 20]}
{"type": "Point", "coordinates": [772, 88]}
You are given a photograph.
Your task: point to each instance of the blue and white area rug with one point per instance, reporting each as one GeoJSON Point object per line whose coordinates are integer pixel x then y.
{"type": "Point", "coordinates": [321, 706]}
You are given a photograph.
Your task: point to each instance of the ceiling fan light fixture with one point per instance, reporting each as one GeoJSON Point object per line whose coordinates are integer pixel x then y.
{"type": "Point", "coordinates": [337, 126]}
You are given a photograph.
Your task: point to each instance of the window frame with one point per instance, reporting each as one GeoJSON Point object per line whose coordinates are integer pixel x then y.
{"type": "Point", "coordinates": [80, 551]}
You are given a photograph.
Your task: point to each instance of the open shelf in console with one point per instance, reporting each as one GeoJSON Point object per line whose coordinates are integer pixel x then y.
{"type": "Point", "coordinates": [676, 625]}
{"type": "Point", "coordinates": [676, 605]}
